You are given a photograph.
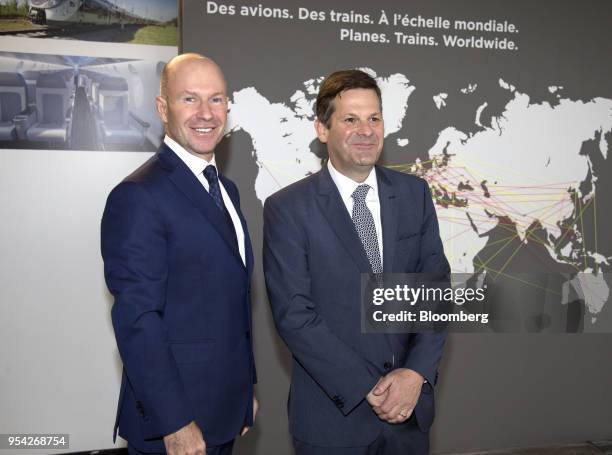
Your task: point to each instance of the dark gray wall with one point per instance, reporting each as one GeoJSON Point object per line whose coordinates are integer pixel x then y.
{"type": "Point", "coordinates": [495, 390]}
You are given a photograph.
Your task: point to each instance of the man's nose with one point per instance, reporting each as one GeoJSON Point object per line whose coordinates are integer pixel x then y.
{"type": "Point", "coordinates": [364, 129]}
{"type": "Point", "coordinates": [205, 112]}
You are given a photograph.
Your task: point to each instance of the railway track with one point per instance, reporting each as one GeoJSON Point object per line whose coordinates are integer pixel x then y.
{"type": "Point", "coordinates": [71, 31]}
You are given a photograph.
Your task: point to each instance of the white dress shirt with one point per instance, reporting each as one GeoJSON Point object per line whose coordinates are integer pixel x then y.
{"type": "Point", "coordinates": [346, 186]}
{"type": "Point", "coordinates": [197, 165]}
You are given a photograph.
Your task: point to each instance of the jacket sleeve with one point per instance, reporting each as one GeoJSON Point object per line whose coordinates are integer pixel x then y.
{"type": "Point", "coordinates": [341, 372]}
{"type": "Point", "coordinates": [135, 268]}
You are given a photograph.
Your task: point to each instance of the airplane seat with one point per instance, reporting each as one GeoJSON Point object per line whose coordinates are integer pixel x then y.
{"type": "Point", "coordinates": [30, 78]}
{"type": "Point", "coordinates": [85, 78]}
{"type": "Point", "coordinates": [70, 81]}
{"type": "Point", "coordinates": [95, 93]}
{"type": "Point", "coordinates": [89, 78]}
{"type": "Point", "coordinates": [82, 80]}
{"type": "Point", "coordinates": [15, 116]}
{"type": "Point", "coordinates": [54, 110]}
{"type": "Point", "coordinates": [113, 110]}
{"type": "Point", "coordinates": [96, 88]}
{"type": "Point", "coordinates": [116, 124]}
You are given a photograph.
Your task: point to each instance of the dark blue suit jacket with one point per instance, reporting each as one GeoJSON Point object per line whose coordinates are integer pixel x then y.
{"type": "Point", "coordinates": [182, 306]}
{"type": "Point", "coordinates": [313, 259]}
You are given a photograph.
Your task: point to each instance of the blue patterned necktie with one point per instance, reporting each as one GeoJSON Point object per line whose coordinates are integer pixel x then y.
{"type": "Point", "coordinates": [210, 172]}
{"type": "Point", "coordinates": [366, 229]}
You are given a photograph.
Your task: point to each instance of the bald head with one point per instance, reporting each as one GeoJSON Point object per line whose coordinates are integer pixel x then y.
{"type": "Point", "coordinates": [182, 62]}
{"type": "Point", "coordinates": [192, 103]}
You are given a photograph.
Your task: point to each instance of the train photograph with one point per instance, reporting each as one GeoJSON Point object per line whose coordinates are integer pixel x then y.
{"type": "Point", "coordinates": [152, 22]}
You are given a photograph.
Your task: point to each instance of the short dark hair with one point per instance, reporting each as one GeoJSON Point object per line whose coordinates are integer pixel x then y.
{"type": "Point", "coordinates": [339, 82]}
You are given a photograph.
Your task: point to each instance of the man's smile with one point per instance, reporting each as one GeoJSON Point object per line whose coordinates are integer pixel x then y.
{"type": "Point", "coordinates": [203, 130]}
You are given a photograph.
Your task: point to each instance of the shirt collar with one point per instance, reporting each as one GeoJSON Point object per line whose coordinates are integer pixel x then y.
{"type": "Point", "coordinates": [346, 186]}
{"type": "Point", "coordinates": [194, 163]}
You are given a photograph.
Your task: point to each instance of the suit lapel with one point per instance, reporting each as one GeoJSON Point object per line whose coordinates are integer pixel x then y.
{"type": "Point", "coordinates": [389, 217]}
{"type": "Point", "coordinates": [336, 214]}
{"type": "Point", "coordinates": [248, 248]}
{"type": "Point", "coordinates": [185, 181]}
{"type": "Point", "coordinates": [389, 207]}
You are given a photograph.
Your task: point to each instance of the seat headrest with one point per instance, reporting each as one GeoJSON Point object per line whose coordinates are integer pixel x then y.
{"type": "Point", "coordinates": [50, 80]}
{"type": "Point", "coordinates": [113, 83]}
{"type": "Point", "coordinates": [11, 80]}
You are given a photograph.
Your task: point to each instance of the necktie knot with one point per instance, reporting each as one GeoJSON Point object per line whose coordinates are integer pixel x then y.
{"type": "Point", "coordinates": [360, 193]}
{"type": "Point", "coordinates": [210, 172]}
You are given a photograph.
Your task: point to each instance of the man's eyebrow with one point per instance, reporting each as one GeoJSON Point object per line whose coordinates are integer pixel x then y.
{"type": "Point", "coordinates": [195, 94]}
{"type": "Point", "coordinates": [357, 115]}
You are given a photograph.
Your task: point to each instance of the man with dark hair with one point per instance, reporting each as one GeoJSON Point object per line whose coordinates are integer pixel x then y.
{"type": "Point", "coordinates": [178, 260]}
{"type": "Point", "coordinates": [352, 393]}
{"type": "Point", "coordinates": [337, 83]}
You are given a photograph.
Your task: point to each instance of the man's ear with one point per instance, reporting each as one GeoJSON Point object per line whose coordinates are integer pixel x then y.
{"type": "Point", "coordinates": [321, 130]}
{"type": "Point", "coordinates": [162, 108]}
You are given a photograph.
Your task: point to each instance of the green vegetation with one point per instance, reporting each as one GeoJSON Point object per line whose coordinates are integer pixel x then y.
{"type": "Point", "coordinates": [12, 9]}
{"type": "Point", "coordinates": [161, 35]}
{"type": "Point", "coordinates": [173, 21]}
{"type": "Point", "coordinates": [18, 24]}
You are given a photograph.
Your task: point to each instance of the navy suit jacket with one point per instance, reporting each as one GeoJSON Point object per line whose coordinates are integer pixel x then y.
{"type": "Point", "coordinates": [182, 306]}
{"type": "Point", "coordinates": [313, 260]}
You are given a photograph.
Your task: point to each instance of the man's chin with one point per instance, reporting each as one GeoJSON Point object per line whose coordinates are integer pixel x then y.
{"type": "Point", "coordinates": [367, 161]}
{"type": "Point", "coordinates": [203, 149]}
{"type": "Point", "coordinates": [366, 156]}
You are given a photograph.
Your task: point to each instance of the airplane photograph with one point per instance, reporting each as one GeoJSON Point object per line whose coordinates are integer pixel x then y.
{"type": "Point", "coordinates": [78, 103]}
{"type": "Point", "coordinates": [121, 21]}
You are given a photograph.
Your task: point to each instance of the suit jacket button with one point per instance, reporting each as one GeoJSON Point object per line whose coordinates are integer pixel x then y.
{"type": "Point", "coordinates": [387, 366]}
{"type": "Point", "coordinates": [140, 409]}
{"type": "Point", "coordinates": [247, 335]}
{"type": "Point", "coordinates": [338, 401]}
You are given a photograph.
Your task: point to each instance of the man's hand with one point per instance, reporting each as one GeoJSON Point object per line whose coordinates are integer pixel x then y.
{"type": "Point", "coordinates": [399, 391]}
{"type": "Point", "coordinates": [186, 441]}
{"type": "Point", "coordinates": [376, 400]}
{"type": "Point", "coordinates": [245, 429]}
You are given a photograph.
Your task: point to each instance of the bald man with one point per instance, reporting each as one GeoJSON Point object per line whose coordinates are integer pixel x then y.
{"type": "Point", "coordinates": [178, 261]}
